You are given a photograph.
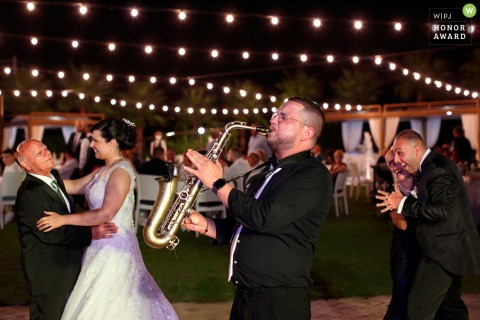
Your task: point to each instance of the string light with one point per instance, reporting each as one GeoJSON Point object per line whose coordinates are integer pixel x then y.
{"type": "Point", "coordinates": [392, 66]}
{"type": "Point", "coordinates": [30, 6]}
{"type": "Point", "coordinates": [83, 10]}
{"type": "Point", "coordinates": [317, 23]}
{"type": "Point", "coordinates": [34, 41]}
{"type": "Point", "coordinates": [134, 12]}
{"type": "Point", "coordinates": [182, 15]}
{"type": "Point", "coordinates": [229, 18]}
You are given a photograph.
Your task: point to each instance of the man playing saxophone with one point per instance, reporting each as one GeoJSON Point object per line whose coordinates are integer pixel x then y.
{"type": "Point", "coordinates": [274, 225]}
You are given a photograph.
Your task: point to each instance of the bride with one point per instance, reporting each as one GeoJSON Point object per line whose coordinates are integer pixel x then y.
{"type": "Point", "coordinates": [113, 282]}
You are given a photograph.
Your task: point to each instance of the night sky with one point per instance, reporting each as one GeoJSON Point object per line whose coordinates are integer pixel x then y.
{"type": "Point", "coordinates": [57, 23]}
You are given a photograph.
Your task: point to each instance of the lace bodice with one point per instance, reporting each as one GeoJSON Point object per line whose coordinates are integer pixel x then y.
{"type": "Point", "coordinates": [95, 194]}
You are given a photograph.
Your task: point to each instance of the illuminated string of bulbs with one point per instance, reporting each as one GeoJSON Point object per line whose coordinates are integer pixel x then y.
{"type": "Point", "coordinates": [182, 15]}
{"type": "Point", "coordinates": [417, 76]}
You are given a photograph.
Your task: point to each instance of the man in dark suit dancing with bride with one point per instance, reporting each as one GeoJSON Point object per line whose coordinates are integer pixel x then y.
{"type": "Point", "coordinates": [445, 230]}
{"type": "Point", "coordinates": [51, 261]}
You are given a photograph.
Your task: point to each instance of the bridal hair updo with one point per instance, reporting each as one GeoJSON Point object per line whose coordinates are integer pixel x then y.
{"type": "Point", "coordinates": [122, 130]}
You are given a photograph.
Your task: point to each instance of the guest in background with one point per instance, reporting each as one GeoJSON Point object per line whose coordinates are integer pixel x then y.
{"type": "Point", "coordinates": [238, 167]}
{"type": "Point", "coordinates": [258, 141]}
{"type": "Point", "coordinates": [329, 156]}
{"type": "Point", "coordinates": [76, 137]}
{"type": "Point", "coordinates": [87, 161]}
{"type": "Point", "coordinates": [253, 159]}
{"type": "Point", "coordinates": [158, 141]}
{"type": "Point", "coordinates": [10, 161]}
{"type": "Point", "coordinates": [156, 165]}
{"type": "Point", "coordinates": [461, 146]}
{"type": "Point", "coordinates": [445, 229]}
{"type": "Point", "coordinates": [338, 164]}
{"type": "Point", "coordinates": [67, 168]}
{"type": "Point", "coordinates": [214, 135]}
{"type": "Point", "coordinates": [11, 165]}
{"type": "Point", "coordinates": [405, 252]}
{"type": "Point", "coordinates": [317, 152]}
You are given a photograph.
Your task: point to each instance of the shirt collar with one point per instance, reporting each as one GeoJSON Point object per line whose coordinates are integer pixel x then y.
{"type": "Point", "coordinates": [47, 180]}
{"type": "Point", "coordinates": [423, 158]}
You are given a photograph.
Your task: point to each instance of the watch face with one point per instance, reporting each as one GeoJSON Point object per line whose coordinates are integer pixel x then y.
{"type": "Point", "coordinates": [219, 183]}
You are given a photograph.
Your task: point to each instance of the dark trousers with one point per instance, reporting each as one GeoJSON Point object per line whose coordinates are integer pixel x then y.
{"type": "Point", "coordinates": [48, 307]}
{"type": "Point", "coordinates": [436, 294]}
{"type": "Point", "coordinates": [270, 304]}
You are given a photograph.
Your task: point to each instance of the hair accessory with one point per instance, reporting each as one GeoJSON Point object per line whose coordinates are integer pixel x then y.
{"type": "Point", "coordinates": [130, 123]}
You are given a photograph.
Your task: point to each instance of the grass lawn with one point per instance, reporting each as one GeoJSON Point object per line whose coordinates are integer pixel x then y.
{"type": "Point", "coordinates": [351, 259]}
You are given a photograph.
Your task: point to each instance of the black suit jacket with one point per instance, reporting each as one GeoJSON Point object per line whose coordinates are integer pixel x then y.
{"type": "Point", "coordinates": [445, 228]}
{"type": "Point", "coordinates": [51, 261]}
{"type": "Point", "coordinates": [70, 143]}
{"type": "Point", "coordinates": [154, 166]}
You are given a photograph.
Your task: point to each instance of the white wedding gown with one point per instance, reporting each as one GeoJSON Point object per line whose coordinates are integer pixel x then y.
{"type": "Point", "coordinates": [113, 282]}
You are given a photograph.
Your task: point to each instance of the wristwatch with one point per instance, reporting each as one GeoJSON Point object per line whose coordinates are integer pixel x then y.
{"type": "Point", "coordinates": [219, 184]}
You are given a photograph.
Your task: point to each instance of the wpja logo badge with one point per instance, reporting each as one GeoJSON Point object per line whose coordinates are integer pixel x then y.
{"type": "Point", "coordinates": [452, 26]}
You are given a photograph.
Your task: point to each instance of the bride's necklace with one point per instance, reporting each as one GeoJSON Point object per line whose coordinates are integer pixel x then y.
{"type": "Point", "coordinates": [109, 165]}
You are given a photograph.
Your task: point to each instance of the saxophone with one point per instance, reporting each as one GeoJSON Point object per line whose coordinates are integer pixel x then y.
{"type": "Point", "coordinates": [171, 208]}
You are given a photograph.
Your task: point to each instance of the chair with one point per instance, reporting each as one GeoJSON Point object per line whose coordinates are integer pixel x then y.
{"type": "Point", "coordinates": [357, 182]}
{"type": "Point", "coordinates": [147, 190]}
{"type": "Point", "coordinates": [10, 183]}
{"type": "Point", "coordinates": [339, 192]}
{"type": "Point", "coordinates": [208, 202]}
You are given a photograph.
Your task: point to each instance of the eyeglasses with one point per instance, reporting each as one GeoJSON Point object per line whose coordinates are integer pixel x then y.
{"type": "Point", "coordinates": [390, 164]}
{"type": "Point", "coordinates": [283, 116]}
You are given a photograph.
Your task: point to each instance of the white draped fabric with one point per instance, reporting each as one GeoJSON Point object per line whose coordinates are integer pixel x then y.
{"type": "Point", "coordinates": [67, 131]}
{"type": "Point", "coordinates": [37, 132]}
{"type": "Point", "coordinates": [431, 132]}
{"type": "Point", "coordinates": [351, 134]}
{"type": "Point", "coordinates": [391, 125]}
{"type": "Point", "coordinates": [9, 135]}
{"type": "Point", "coordinates": [470, 126]}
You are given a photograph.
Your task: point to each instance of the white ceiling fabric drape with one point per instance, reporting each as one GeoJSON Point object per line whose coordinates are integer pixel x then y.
{"type": "Point", "coordinates": [391, 125]}
{"type": "Point", "coordinates": [431, 133]}
{"type": "Point", "coordinates": [9, 134]}
{"type": "Point", "coordinates": [351, 134]}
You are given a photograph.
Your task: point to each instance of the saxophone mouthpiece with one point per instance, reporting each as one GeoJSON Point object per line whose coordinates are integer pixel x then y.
{"type": "Point", "coordinates": [263, 130]}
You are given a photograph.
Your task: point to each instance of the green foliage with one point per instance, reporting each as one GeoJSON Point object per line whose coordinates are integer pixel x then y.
{"type": "Point", "coordinates": [471, 70]}
{"type": "Point", "coordinates": [21, 79]}
{"type": "Point", "coordinates": [427, 65]}
{"type": "Point", "coordinates": [351, 259]}
{"type": "Point", "coordinates": [299, 84]}
{"type": "Point", "coordinates": [358, 86]}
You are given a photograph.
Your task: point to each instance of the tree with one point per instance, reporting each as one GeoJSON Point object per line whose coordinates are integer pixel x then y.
{"type": "Point", "coordinates": [299, 84]}
{"type": "Point", "coordinates": [32, 92]}
{"type": "Point", "coordinates": [195, 98]}
{"type": "Point", "coordinates": [424, 63]}
{"type": "Point", "coordinates": [471, 70]}
{"type": "Point", "coordinates": [358, 86]}
{"type": "Point", "coordinates": [75, 85]}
